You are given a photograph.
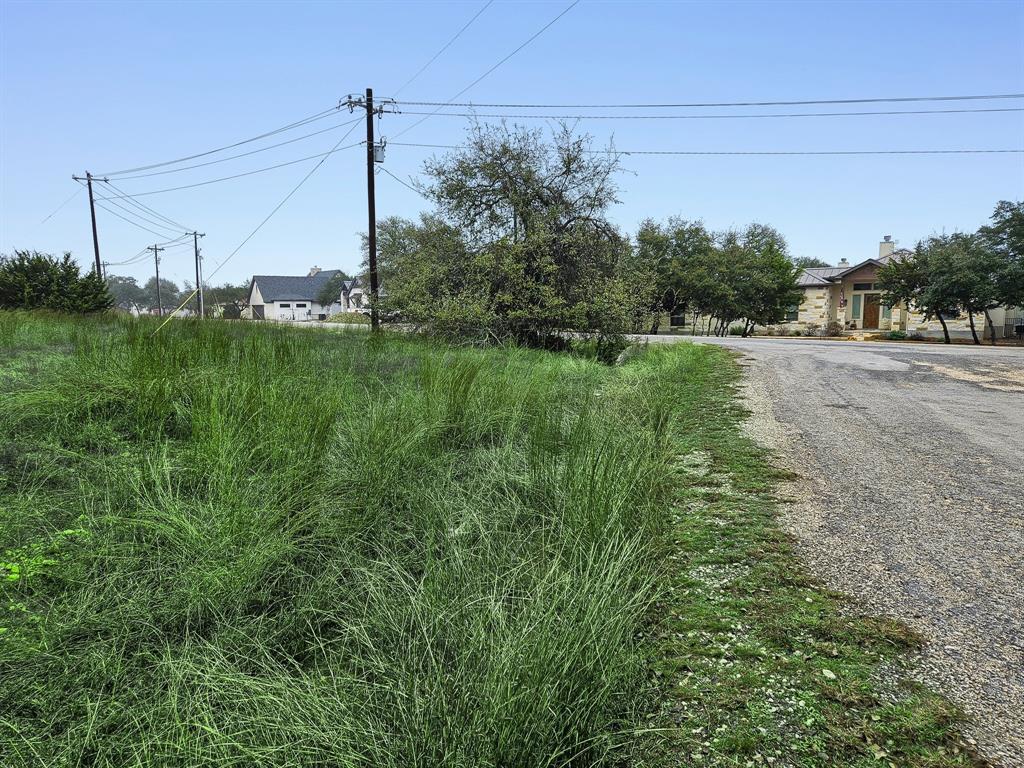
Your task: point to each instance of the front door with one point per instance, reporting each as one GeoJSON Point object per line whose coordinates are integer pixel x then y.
{"type": "Point", "coordinates": [872, 303]}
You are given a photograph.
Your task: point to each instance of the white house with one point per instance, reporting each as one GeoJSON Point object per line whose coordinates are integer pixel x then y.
{"type": "Point", "coordinates": [291, 298]}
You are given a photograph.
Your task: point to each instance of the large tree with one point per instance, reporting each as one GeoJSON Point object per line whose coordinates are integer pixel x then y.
{"type": "Point", "coordinates": [925, 279]}
{"type": "Point", "coordinates": [665, 256]}
{"type": "Point", "coordinates": [1005, 236]}
{"type": "Point", "coordinates": [519, 247]}
{"type": "Point", "coordinates": [803, 262]}
{"type": "Point", "coordinates": [127, 292]}
{"type": "Point", "coordinates": [34, 280]}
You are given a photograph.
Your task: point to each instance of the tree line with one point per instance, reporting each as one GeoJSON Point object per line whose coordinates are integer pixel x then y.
{"type": "Point", "coordinates": [972, 273]}
{"type": "Point", "coordinates": [519, 248]}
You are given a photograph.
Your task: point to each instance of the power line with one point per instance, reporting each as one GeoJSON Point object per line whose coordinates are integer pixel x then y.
{"type": "Point", "coordinates": [296, 124]}
{"type": "Point", "coordinates": [147, 219]}
{"type": "Point", "coordinates": [336, 148]}
{"type": "Point", "coordinates": [60, 207]}
{"type": "Point", "coordinates": [805, 102]}
{"type": "Point", "coordinates": [767, 153]}
{"type": "Point", "coordinates": [142, 206]}
{"type": "Point", "coordinates": [112, 212]}
{"type": "Point", "coordinates": [445, 46]}
{"type": "Point", "coordinates": [400, 181]}
{"type": "Point", "coordinates": [529, 40]}
{"type": "Point", "coordinates": [259, 226]}
{"type": "Point", "coordinates": [242, 154]}
{"type": "Point", "coordinates": [715, 117]}
{"type": "Point", "coordinates": [240, 175]}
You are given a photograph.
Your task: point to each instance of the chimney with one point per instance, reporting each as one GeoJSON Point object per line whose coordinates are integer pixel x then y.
{"type": "Point", "coordinates": [313, 271]}
{"type": "Point", "coordinates": [886, 247]}
{"type": "Point", "coordinates": [843, 263]}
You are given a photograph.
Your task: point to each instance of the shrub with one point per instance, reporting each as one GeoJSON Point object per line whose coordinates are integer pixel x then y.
{"type": "Point", "coordinates": [812, 329]}
{"type": "Point", "coordinates": [896, 335]}
{"type": "Point", "coordinates": [915, 336]}
{"type": "Point", "coordinates": [795, 332]}
{"type": "Point", "coordinates": [355, 318]}
{"type": "Point", "coordinates": [835, 329]}
{"type": "Point", "coordinates": [34, 280]}
{"type": "Point", "coordinates": [735, 330]}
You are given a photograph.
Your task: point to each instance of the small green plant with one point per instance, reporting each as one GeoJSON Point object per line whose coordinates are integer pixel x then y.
{"type": "Point", "coordinates": [735, 330]}
{"type": "Point", "coordinates": [352, 318]}
{"type": "Point", "coordinates": [896, 335]}
{"type": "Point", "coordinates": [796, 332]}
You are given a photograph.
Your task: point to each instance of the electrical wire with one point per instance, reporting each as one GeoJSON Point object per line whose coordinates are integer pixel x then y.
{"type": "Point", "coordinates": [715, 117]}
{"type": "Point", "coordinates": [240, 175]}
{"type": "Point", "coordinates": [242, 154]}
{"type": "Point", "coordinates": [60, 207]}
{"type": "Point", "coordinates": [112, 212]}
{"type": "Point", "coordinates": [142, 206]}
{"type": "Point", "coordinates": [805, 102]}
{"type": "Point", "coordinates": [337, 147]}
{"type": "Point", "coordinates": [445, 47]}
{"type": "Point", "coordinates": [296, 124]}
{"type": "Point", "coordinates": [152, 222]}
{"type": "Point", "coordinates": [400, 181]}
{"type": "Point", "coordinates": [529, 40]}
{"type": "Point", "coordinates": [795, 152]}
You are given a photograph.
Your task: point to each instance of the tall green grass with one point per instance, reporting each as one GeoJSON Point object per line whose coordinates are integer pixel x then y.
{"type": "Point", "coordinates": [241, 546]}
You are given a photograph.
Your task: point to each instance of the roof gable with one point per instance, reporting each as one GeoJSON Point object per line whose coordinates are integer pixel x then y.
{"type": "Point", "coordinates": [290, 287]}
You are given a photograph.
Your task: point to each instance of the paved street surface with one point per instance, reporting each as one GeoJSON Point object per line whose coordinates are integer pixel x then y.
{"type": "Point", "coordinates": [912, 499]}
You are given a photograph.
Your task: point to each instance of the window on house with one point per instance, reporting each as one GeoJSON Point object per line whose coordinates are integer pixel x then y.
{"type": "Point", "coordinates": [886, 312]}
{"type": "Point", "coordinates": [300, 306]}
{"type": "Point", "coordinates": [855, 303]}
{"type": "Point", "coordinates": [286, 306]}
{"type": "Point", "coordinates": [792, 313]}
{"type": "Point", "coordinates": [862, 286]}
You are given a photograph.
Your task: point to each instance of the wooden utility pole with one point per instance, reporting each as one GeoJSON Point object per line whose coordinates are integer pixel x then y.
{"type": "Point", "coordinates": [371, 201]}
{"type": "Point", "coordinates": [156, 260]}
{"type": "Point", "coordinates": [92, 211]}
{"type": "Point", "coordinates": [199, 273]}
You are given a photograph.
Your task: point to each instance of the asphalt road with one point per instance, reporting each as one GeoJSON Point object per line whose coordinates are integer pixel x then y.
{"type": "Point", "coordinates": [912, 499]}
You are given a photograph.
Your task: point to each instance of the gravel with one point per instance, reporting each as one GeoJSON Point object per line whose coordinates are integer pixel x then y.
{"type": "Point", "coordinates": [911, 500]}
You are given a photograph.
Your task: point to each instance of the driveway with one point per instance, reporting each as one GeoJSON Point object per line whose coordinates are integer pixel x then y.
{"type": "Point", "coordinates": [912, 499]}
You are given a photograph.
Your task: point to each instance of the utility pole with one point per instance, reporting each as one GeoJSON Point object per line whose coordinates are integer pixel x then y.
{"type": "Point", "coordinates": [199, 274]}
{"type": "Point", "coordinates": [103, 274]}
{"type": "Point", "coordinates": [374, 154]}
{"type": "Point", "coordinates": [371, 205]}
{"type": "Point", "coordinates": [156, 260]}
{"type": "Point", "coordinates": [92, 211]}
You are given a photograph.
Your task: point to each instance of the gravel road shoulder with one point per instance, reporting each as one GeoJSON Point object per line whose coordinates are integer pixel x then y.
{"type": "Point", "coordinates": [880, 512]}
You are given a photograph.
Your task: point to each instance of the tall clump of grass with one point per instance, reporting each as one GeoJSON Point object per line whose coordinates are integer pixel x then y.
{"type": "Point", "coordinates": [259, 546]}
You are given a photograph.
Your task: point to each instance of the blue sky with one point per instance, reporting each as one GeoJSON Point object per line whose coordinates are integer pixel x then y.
{"type": "Point", "coordinates": [105, 86]}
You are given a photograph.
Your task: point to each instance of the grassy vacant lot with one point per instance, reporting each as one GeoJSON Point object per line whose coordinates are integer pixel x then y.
{"type": "Point", "coordinates": [230, 545]}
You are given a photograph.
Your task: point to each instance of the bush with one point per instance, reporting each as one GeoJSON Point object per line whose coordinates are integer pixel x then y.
{"type": "Point", "coordinates": [735, 330]}
{"type": "Point", "coordinates": [355, 318]}
{"type": "Point", "coordinates": [795, 332]}
{"type": "Point", "coordinates": [812, 330]}
{"type": "Point", "coordinates": [835, 329]}
{"type": "Point", "coordinates": [34, 280]}
{"type": "Point", "coordinates": [895, 335]}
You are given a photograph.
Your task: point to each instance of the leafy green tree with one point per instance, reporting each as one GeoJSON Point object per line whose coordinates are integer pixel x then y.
{"type": "Point", "coordinates": [929, 278]}
{"type": "Point", "coordinates": [34, 280]}
{"type": "Point", "coordinates": [803, 262]}
{"type": "Point", "coordinates": [665, 256]}
{"type": "Point", "coordinates": [127, 292]}
{"type": "Point", "coordinates": [1005, 237]}
{"type": "Point", "coordinates": [331, 292]}
{"type": "Point", "coordinates": [519, 247]}
{"type": "Point", "coordinates": [169, 294]}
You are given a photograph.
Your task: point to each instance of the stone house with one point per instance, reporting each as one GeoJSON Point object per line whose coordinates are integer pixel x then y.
{"type": "Point", "coordinates": [848, 298]}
